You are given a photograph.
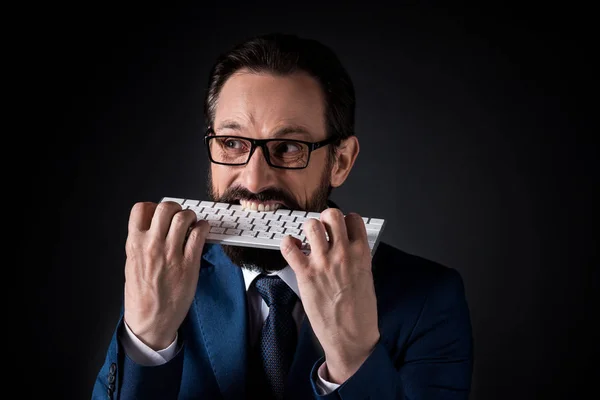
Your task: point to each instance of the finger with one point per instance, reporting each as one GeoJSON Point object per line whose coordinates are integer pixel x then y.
{"type": "Point", "coordinates": [334, 223]}
{"type": "Point", "coordinates": [290, 250]}
{"type": "Point", "coordinates": [161, 221]}
{"type": "Point", "coordinates": [357, 231]}
{"type": "Point", "coordinates": [195, 241]}
{"type": "Point", "coordinates": [180, 226]}
{"type": "Point", "coordinates": [315, 235]}
{"type": "Point", "coordinates": [140, 216]}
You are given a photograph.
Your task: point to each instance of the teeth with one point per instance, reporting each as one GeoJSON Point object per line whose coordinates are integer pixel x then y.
{"type": "Point", "coordinates": [254, 206]}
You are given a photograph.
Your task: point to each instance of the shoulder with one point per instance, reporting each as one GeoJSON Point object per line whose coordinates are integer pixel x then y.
{"type": "Point", "coordinates": [396, 270]}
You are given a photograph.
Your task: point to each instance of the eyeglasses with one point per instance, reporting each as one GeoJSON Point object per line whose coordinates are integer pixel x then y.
{"type": "Point", "coordinates": [279, 153]}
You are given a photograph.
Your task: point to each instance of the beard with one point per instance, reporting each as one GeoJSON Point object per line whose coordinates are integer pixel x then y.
{"type": "Point", "coordinates": [265, 260]}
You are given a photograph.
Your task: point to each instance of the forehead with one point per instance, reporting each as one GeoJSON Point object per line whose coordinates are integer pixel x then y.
{"type": "Point", "coordinates": [262, 102]}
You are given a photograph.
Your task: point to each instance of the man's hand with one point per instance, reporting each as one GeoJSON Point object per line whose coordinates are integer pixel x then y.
{"type": "Point", "coordinates": [161, 271]}
{"type": "Point", "coordinates": [336, 285]}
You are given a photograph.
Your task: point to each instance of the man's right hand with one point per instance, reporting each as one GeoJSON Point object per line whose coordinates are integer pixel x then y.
{"type": "Point", "coordinates": [161, 270]}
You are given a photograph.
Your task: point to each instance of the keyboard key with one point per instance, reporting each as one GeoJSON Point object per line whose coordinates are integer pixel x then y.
{"type": "Point", "coordinates": [292, 231]}
{"type": "Point", "coordinates": [276, 223]}
{"type": "Point", "coordinates": [261, 228]}
{"type": "Point", "coordinates": [175, 199]}
{"type": "Point", "coordinates": [264, 235]}
{"type": "Point", "coordinates": [225, 212]}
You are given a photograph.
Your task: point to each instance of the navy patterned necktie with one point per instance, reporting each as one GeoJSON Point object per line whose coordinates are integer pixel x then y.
{"type": "Point", "coordinates": [277, 344]}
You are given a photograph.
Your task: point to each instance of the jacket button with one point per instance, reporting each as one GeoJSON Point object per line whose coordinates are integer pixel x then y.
{"type": "Point", "coordinates": [111, 387]}
{"type": "Point", "coordinates": [113, 368]}
{"type": "Point", "coordinates": [111, 378]}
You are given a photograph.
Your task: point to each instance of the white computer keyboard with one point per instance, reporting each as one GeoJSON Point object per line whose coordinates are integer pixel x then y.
{"type": "Point", "coordinates": [233, 225]}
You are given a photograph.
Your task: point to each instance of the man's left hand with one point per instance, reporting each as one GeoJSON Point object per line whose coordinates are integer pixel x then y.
{"type": "Point", "coordinates": [336, 286]}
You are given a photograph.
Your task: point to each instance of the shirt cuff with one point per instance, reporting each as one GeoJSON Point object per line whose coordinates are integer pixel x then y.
{"type": "Point", "coordinates": [141, 354]}
{"type": "Point", "coordinates": [325, 387]}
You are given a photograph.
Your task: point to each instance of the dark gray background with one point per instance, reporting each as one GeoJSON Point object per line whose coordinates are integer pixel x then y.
{"type": "Point", "coordinates": [471, 124]}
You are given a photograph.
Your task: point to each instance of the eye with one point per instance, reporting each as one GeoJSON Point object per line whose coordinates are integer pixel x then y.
{"type": "Point", "coordinates": [234, 144]}
{"type": "Point", "coordinates": [288, 147]}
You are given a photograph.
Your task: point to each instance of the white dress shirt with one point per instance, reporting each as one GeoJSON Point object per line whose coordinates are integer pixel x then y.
{"type": "Point", "coordinates": [258, 312]}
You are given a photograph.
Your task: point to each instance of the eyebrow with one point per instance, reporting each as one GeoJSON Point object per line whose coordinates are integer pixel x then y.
{"type": "Point", "coordinates": [283, 131]}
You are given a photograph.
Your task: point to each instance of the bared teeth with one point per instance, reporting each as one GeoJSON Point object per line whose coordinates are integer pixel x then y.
{"type": "Point", "coordinates": [255, 206]}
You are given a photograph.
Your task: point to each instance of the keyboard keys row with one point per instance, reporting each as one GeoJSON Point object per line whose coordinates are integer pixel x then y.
{"type": "Point", "coordinates": [210, 207]}
{"type": "Point", "coordinates": [230, 224]}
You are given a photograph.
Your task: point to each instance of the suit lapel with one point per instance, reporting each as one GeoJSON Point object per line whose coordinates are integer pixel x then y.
{"type": "Point", "coordinates": [223, 319]}
{"type": "Point", "coordinates": [308, 351]}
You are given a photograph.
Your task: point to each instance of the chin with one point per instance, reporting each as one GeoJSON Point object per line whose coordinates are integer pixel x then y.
{"type": "Point", "coordinates": [260, 260]}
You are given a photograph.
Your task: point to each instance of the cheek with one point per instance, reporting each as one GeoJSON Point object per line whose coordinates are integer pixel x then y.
{"type": "Point", "coordinates": [304, 184]}
{"type": "Point", "coordinates": [222, 179]}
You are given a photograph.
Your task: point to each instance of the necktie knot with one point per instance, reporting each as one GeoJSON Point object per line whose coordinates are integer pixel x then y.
{"type": "Point", "coordinates": [275, 292]}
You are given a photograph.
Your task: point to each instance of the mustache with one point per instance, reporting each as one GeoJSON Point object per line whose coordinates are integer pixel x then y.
{"type": "Point", "coordinates": [270, 194]}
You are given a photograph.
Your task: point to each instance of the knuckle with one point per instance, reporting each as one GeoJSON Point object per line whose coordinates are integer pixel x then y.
{"type": "Point", "coordinates": [184, 217]}
{"type": "Point", "coordinates": [313, 224]}
{"type": "Point", "coordinates": [331, 213]}
{"type": "Point", "coordinates": [179, 218]}
{"type": "Point", "coordinates": [140, 207]}
{"type": "Point", "coordinates": [194, 235]}
{"type": "Point", "coordinates": [359, 250]}
{"type": "Point", "coordinates": [167, 206]}
{"type": "Point", "coordinates": [154, 248]}
{"type": "Point", "coordinates": [354, 216]}
{"type": "Point", "coordinates": [342, 258]}
{"type": "Point", "coordinates": [132, 246]}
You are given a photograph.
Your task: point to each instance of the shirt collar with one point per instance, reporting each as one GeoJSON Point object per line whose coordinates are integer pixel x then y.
{"type": "Point", "coordinates": [287, 275]}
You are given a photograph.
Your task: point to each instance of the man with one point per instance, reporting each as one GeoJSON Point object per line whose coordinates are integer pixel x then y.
{"type": "Point", "coordinates": [205, 321]}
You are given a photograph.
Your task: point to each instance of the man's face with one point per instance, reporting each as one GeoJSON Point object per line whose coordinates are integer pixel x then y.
{"type": "Point", "coordinates": [262, 106]}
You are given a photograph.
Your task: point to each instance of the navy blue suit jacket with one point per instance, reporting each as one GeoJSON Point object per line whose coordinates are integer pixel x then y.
{"type": "Point", "coordinates": [425, 350]}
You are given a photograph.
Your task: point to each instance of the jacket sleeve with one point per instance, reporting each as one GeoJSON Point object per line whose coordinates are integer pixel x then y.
{"type": "Point", "coordinates": [121, 378]}
{"type": "Point", "coordinates": [436, 363]}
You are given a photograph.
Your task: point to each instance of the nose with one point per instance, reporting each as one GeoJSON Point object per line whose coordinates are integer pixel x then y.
{"type": "Point", "coordinates": [257, 174]}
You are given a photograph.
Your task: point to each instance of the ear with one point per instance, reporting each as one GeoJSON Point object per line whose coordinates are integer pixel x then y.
{"type": "Point", "coordinates": [345, 156]}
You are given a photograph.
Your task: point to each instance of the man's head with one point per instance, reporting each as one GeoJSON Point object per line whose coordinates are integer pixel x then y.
{"type": "Point", "coordinates": [285, 87]}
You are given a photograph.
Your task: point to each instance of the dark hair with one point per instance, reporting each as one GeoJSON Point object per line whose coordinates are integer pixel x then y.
{"type": "Point", "coordinates": [284, 54]}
